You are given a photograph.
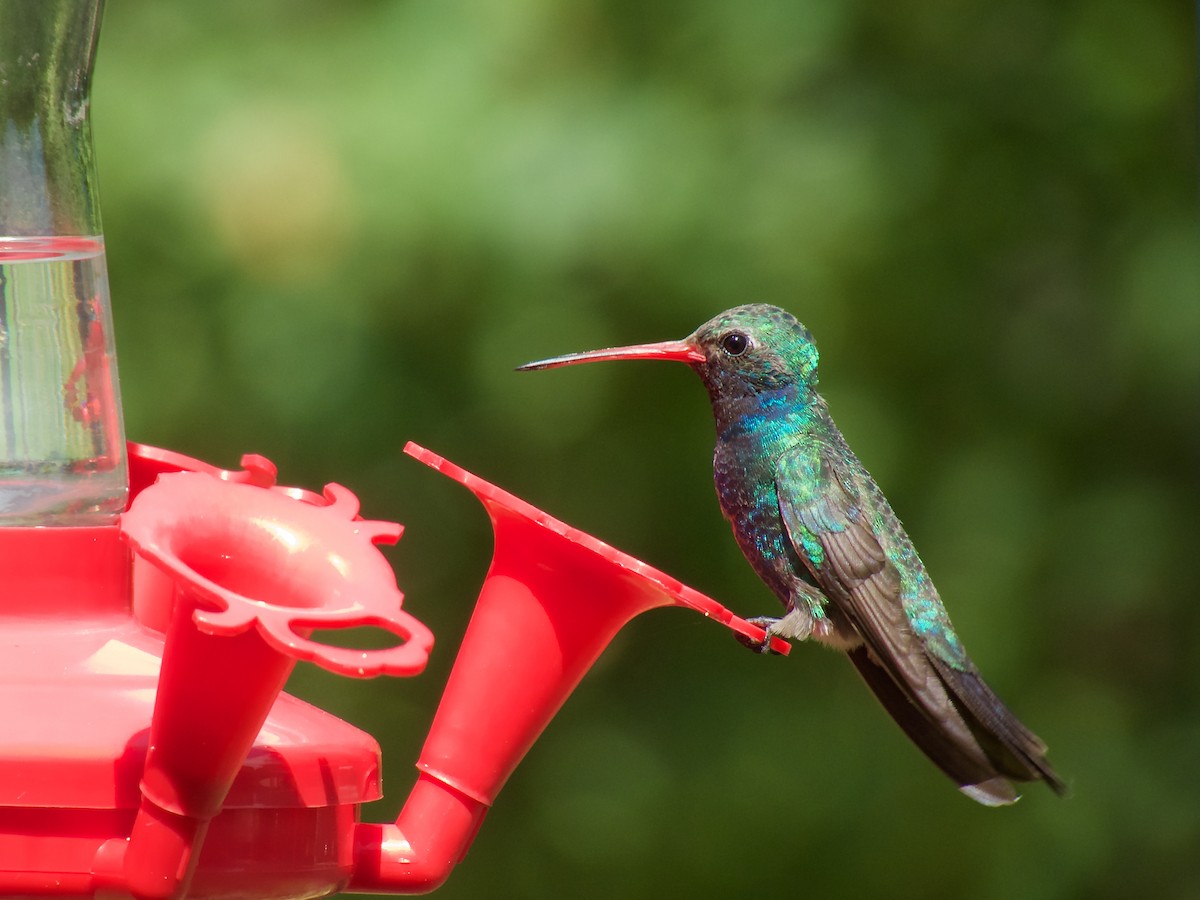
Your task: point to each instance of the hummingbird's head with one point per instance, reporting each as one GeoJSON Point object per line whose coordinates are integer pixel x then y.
{"type": "Point", "coordinates": [755, 348]}
{"type": "Point", "coordinates": [743, 351]}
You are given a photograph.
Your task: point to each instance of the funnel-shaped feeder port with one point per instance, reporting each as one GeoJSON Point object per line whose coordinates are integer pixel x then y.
{"type": "Point", "coordinates": [243, 556]}
{"type": "Point", "coordinates": [250, 573]}
{"type": "Point", "coordinates": [551, 601]}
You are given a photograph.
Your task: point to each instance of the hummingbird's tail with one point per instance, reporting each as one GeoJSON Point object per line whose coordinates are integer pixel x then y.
{"type": "Point", "coordinates": [975, 739]}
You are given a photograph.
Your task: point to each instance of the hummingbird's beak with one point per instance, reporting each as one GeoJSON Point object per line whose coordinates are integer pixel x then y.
{"type": "Point", "coordinates": [680, 351]}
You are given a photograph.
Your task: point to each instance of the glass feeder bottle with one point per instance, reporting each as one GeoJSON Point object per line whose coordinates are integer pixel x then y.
{"type": "Point", "coordinates": [62, 447]}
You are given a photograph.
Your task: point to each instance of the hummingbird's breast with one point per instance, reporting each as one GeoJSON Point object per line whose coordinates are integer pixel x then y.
{"type": "Point", "coordinates": [744, 476]}
{"type": "Point", "coordinates": [753, 431]}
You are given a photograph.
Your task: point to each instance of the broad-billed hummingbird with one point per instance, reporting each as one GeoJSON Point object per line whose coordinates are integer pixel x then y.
{"type": "Point", "coordinates": [816, 528]}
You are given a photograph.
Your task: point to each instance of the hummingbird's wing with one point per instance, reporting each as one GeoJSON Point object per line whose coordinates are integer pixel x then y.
{"type": "Point", "coordinates": [830, 527]}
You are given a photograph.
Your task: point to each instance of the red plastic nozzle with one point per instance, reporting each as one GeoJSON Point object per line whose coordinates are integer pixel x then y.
{"type": "Point", "coordinates": [246, 574]}
{"type": "Point", "coordinates": [552, 600]}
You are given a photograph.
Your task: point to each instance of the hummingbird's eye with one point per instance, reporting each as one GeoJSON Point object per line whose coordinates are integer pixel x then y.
{"type": "Point", "coordinates": [735, 343]}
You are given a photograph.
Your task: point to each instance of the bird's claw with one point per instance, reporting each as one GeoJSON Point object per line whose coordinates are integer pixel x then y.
{"type": "Point", "coordinates": [798, 624]}
{"type": "Point", "coordinates": [767, 624]}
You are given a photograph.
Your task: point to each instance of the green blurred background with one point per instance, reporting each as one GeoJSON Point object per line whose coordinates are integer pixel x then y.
{"type": "Point", "coordinates": [337, 226]}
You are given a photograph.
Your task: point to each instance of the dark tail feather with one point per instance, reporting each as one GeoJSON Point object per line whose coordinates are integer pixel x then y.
{"type": "Point", "coordinates": [1017, 752]}
{"type": "Point", "coordinates": [971, 749]}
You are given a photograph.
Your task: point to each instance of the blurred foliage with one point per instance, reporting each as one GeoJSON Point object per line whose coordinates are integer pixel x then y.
{"type": "Point", "coordinates": [333, 227]}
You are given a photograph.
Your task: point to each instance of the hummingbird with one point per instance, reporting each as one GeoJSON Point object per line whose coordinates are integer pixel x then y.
{"type": "Point", "coordinates": [818, 531]}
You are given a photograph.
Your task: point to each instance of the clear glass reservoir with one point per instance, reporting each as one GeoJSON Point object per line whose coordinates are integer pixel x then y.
{"type": "Point", "coordinates": [62, 446]}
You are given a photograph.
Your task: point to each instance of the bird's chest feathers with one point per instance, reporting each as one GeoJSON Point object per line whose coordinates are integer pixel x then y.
{"type": "Point", "coordinates": [752, 433]}
{"type": "Point", "coordinates": [748, 448]}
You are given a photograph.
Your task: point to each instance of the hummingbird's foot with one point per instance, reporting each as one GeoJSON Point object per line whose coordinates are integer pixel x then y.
{"type": "Point", "coordinates": [798, 624]}
{"type": "Point", "coordinates": [766, 623]}
{"type": "Point", "coordinates": [795, 625]}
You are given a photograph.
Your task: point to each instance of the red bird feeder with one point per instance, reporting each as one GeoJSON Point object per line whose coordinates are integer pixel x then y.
{"type": "Point", "coordinates": [152, 606]}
